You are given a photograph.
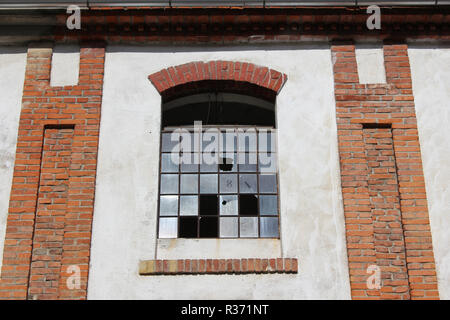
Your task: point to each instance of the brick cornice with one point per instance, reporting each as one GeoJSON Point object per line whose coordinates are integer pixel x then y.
{"type": "Point", "coordinates": [244, 72]}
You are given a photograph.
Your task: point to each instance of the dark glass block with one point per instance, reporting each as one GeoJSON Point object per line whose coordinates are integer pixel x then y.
{"type": "Point", "coordinates": [209, 227]}
{"type": "Point", "coordinates": [209, 205]}
{"type": "Point", "coordinates": [188, 227]}
{"type": "Point", "coordinates": [248, 205]}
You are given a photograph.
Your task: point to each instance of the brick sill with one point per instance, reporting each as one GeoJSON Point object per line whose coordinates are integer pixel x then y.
{"type": "Point", "coordinates": [217, 266]}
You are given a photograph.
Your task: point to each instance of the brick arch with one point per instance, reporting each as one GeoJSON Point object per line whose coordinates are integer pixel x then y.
{"type": "Point", "coordinates": [197, 71]}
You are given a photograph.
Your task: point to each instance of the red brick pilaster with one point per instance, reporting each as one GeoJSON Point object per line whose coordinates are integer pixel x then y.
{"type": "Point", "coordinates": [383, 187]}
{"type": "Point", "coordinates": [52, 195]}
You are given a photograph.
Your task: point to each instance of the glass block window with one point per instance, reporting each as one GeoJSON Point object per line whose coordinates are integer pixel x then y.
{"type": "Point", "coordinates": [218, 182]}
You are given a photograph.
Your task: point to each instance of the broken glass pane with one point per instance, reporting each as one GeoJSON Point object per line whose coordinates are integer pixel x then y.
{"type": "Point", "coordinates": [188, 227]}
{"type": "Point", "coordinates": [229, 205]}
{"type": "Point", "coordinates": [209, 227]}
{"type": "Point", "coordinates": [208, 205]}
{"type": "Point", "coordinates": [248, 205]}
{"type": "Point", "coordinates": [228, 162]}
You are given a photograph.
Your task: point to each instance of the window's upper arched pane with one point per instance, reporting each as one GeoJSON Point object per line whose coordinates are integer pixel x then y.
{"type": "Point", "coordinates": [218, 108]}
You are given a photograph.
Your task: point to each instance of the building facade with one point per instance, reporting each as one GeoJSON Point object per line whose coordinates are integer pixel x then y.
{"type": "Point", "coordinates": [354, 118]}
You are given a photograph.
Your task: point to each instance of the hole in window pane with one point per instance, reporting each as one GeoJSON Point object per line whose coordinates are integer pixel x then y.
{"type": "Point", "coordinates": [209, 227]}
{"type": "Point", "coordinates": [249, 227]}
{"type": "Point", "coordinates": [188, 205]}
{"type": "Point", "coordinates": [168, 205]}
{"type": "Point", "coordinates": [268, 205]}
{"type": "Point", "coordinates": [188, 227]}
{"type": "Point", "coordinates": [208, 183]}
{"type": "Point", "coordinates": [168, 144]}
{"type": "Point", "coordinates": [208, 205]}
{"type": "Point", "coordinates": [169, 183]}
{"type": "Point", "coordinates": [228, 183]}
{"type": "Point", "coordinates": [267, 183]}
{"type": "Point", "coordinates": [228, 227]}
{"type": "Point", "coordinates": [229, 205]}
{"type": "Point", "coordinates": [247, 183]}
{"type": "Point", "coordinates": [189, 162]}
{"type": "Point", "coordinates": [189, 183]}
{"type": "Point", "coordinates": [168, 227]}
{"type": "Point", "coordinates": [227, 162]}
{"type": "Point", "coordinates": [248, 205]}
{"type": "Point", "coordinates": [167, 163]}
{"type": "Point", "coordinates": [269, 227]}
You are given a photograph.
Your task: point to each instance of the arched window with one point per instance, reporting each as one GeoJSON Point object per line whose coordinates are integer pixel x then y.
{"type": "Point", "coordinates": [218, 167]}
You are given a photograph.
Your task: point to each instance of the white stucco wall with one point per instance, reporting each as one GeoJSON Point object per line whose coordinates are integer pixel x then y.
{"type": "Point", "coordinates": [12, 74]}
{"type": "Point", "coordinates": [312, 219]}
{"type": "Point", "coordinates": [430, 70]}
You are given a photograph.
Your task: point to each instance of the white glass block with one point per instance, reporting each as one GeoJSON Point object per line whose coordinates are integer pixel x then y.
{"type": "Point", "coordinates": [188, 205]}
{"type": "Point", "coordinates": [168, 205]}
{"type": "Point", "coordinates": [267, 162]}
{"type": "Point", "coordinates": [247, 140]}
{"type": "Point", "coordinates": [169, 183]}
{"type": "Point", "coordinates": [269, 227]}
{"type": "Point", "coordinates": [228, 205]}
{"type": "Point", "coordinates": [267, 183]}
{"type": "Point", "coordinates": [168, 164]}
{"type": "Point", "coordinates": [189, 162]}
{"type": "Point", "coordinates": [228, 227]}
{"type": "Point", "coordinates": [189, 183]}
{"type": "Point", "coordinates": [247, 183]}
{"type": "Point", "coordinates": [168, 227]}
{"type": "Point", "coordinates": [266, 140]}
{"type": "Point", "coordinates": [169, 145]}
{"type": "Point", "coordinates": [209, 162]}
{"type": "Point", "coordinates": [249, 227]}
{"type": "Point", "coordinates": [268, 205]}
{"type": "Point", "coordinates": [228, 141]}
{"type": "Point", "coordinates": [248, 162]}
{"type": "Point", "coordinates": [187, 142]}
{"type": "Point", "coordinates": [208, 183]}
{"type": "Point", "coordinates": [228, 183]}
{"type": "Point", "coordinates": [210, 141]}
